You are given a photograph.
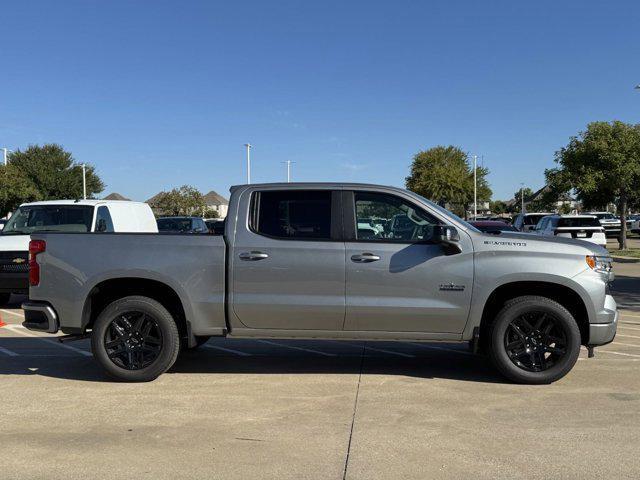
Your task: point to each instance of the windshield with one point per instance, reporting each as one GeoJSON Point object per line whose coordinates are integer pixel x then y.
{"type": "Point", "coordinates": [447, 213]}
{"type": "Point", "coordinates": [52, 218]}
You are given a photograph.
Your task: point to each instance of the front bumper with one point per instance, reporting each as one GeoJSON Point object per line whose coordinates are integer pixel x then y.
{"type": "Point", "coordinates": [604, 330]}
{"type": "Point", "coordinates": [40, 317]}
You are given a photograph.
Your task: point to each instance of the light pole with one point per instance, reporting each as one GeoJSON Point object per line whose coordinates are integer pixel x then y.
{"type": "Point", "coordinates": [288, 164]}
{"type": "Point", "coordinates": [248, 145]}
{"type": "Point", "coordinates": [475, 187]}
{"type": "Point", "coordinates": [4, 156]}
{"type": "Point", "coordinates": [522, 198]}
{"type": "Point", "coordinates": [84, 181]}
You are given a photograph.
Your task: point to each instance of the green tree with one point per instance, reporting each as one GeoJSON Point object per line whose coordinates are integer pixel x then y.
{"type": "Point", "coordinates": [54, 172]}
{"type": "Point", "coordinates": [498, 207]}
{"type": "Point", "coordinates": [186, 200]}
{"type": "Point", "coordinates": [210, 213]}
{"type": "Point", "coordinates": [445, 175]}
{"type": "Point", "coordinates": [525, 192]}
{"type": "Point", "coordinates": [15, 188]}
{"type": "Point", "coordinates": [602, 165]}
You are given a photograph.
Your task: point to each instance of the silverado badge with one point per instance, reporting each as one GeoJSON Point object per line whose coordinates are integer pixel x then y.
{"type": "Point", "coordinates": [450, 287]}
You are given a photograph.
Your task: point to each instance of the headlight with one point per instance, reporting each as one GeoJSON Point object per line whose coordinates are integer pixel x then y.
{"type": "Point", "coordinates": [600, 264]}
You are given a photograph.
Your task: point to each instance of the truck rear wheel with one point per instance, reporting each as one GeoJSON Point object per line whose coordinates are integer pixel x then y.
{"type": "Point", "coordinates": [534, 340]}
{"type": "Point", "coordinates": [135, 339]}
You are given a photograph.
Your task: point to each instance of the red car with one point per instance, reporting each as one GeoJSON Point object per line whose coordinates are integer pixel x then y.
{"type": "Point", "coordinates": [493, 226]}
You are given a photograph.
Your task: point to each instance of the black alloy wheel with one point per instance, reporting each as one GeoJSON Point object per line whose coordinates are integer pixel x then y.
{"type": "Point", "coordinates": [535, 341]}
{"type": "Point", "coordinates": [133, 340]}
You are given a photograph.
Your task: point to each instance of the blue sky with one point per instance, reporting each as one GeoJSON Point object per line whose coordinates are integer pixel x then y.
{"type": "Point", "coordinates": [160, 94]}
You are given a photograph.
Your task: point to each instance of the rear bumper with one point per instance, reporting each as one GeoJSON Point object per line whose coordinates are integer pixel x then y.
{"type": "Point", "coordinates": [14, 282]}
{"type": "Point", "coordinates": [40, 316]}
{"type": "Point", "coordinates": [604, 331]}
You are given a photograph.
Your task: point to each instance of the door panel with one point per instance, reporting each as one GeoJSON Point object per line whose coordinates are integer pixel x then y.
{"type": "Point", "coordinates": [294, 278]}
{"type": "Point", "coordinates": [396, 280]}
{"type": "Point", "coordinates": [408, 289]}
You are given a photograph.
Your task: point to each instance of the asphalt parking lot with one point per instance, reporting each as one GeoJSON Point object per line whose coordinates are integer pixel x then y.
{"type": "Point", "coordinates": [319, 410]}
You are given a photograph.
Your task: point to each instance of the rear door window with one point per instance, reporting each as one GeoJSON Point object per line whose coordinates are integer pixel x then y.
{"type": "Point", "coordinates": [579, 222]}
{"type": "Point", "coordinates": [292, 214]}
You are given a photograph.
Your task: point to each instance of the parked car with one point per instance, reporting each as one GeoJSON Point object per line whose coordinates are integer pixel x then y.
{"type": "Point", "coordinates": [635, 223]}
{"type": "Point", "coordinates": [292, 264]}
{"type": "Point", "coordinates": [81, 216]}
{"type": "Point", "coordinates": [215, 226]}
{"type": "Point", "coordinates": [493, 226]}
{"type": "Point", "coordinates": [526, 222]}
{"type": "Point", "coordinates": [582, 227]}
{"type": "Point", "coordinates": [182, 225]}
{"type": "Point", "coordinates": [609, 221]}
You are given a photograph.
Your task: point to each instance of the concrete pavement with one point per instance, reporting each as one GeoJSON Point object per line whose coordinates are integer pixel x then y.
{"type": "Point", "coordinates": [319, 410]}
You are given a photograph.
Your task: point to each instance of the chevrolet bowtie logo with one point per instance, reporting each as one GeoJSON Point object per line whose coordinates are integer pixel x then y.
{"type": "Point", "coordinates": [18, 260]}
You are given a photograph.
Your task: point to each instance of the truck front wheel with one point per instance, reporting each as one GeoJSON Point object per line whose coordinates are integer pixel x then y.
{"type": "Point", "coordinates": [135, 339]}
{"type": "Point", "coordinates": [534, 340]}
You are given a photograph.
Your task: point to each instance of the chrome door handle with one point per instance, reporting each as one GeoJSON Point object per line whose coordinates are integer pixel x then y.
{"type": "Point", "coordinates": [253, 256]}
{"type": "Point", "coordinates": [365, 258]}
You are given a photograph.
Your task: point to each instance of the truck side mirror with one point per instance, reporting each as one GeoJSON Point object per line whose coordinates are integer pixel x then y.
{"type": "Point", "coordinates": [448, 236]}
{"type": "Point", "coordinates": [102, 225]}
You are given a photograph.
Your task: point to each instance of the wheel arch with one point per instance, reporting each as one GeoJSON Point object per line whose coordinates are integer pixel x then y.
{"type": "Point", "coordinates": [563, 294]}
{"type": "Point", "coordinates": [107, 291]}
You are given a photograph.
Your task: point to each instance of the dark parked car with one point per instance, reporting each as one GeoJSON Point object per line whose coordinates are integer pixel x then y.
{"type": "Point", "coordinates": [493, 226]}
{"type": "Point", "coordinates": [182, 225]}
{"type": "Point", "coordinates": [215, 226]}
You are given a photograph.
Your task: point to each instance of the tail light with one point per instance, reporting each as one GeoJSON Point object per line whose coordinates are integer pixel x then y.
{"type": "Point", "coordinates": [35, 247]}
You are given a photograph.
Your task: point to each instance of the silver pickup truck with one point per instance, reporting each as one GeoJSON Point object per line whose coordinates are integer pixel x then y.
{"type": "Point", "coordinates": [332, 261]}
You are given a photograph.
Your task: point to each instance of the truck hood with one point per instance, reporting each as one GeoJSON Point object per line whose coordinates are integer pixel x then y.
{"type": "Point", "coordinates": [544, 244]}
{"type": "Point", "coordinates": [14, 243]}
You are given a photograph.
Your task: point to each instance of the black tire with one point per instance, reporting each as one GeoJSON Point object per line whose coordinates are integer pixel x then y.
{"type": "Point", "coordinates": [135, 356]}
{"type": "Point", "coordinates": [527, 351]}
{"type": "Point", "coordinates": [4, 298]}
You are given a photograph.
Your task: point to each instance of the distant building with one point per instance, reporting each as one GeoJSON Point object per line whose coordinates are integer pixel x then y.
{"type": "Point", "coordinates": [564, 202]}
{"type": "Point", "coordinates": [217, 202]}
{"type": "Point", "coordinates": [212, 200]}
{"type": "Point", "coordinates": [115, 196]}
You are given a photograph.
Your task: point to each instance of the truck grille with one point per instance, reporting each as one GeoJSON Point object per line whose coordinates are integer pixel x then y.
{"type": "Point", "coordinates": [14, 262]}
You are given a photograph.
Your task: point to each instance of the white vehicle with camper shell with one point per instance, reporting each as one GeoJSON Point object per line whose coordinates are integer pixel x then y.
{"type": "Point", "coordinates": [70, 216]}
{"type": "Point", "coordinates": [581, 227]}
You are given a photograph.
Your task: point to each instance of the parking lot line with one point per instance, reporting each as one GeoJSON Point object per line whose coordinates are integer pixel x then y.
{"type": "Point", "coordinates": [390, 352]}
{"type": "Point", "coordinates": [629, 328]}
{"type": "Point", "coordinates": [6, 351]}
{"type": "Point", "coordinates": [12, 313]}
{"type": "Point", "coordinates": [619, 353]}
{"type": "Point", "coordinates": [626, 344]}
{"type": "Point", "coordinates": [229, 350]}
{"type": "Point", "coordinates": [20, 330]}
{"type": "Point", "coordinates": [437, 347]}
{"type": "Point", "coordinates": [269, 342]}
{"type": "Point", "coordinates": [629, 336]}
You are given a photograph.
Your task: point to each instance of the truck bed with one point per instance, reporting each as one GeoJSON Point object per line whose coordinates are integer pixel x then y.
{"type": "Point", "coordinates": [192, 265]}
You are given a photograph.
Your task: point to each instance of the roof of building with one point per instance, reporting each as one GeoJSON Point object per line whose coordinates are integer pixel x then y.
{"type": "Point", "coordinates": [115, 196]}
{"type": "Point", "coordinates": [214, 198]}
